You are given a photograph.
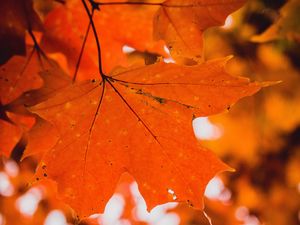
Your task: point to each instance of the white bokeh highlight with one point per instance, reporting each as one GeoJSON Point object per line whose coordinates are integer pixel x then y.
{"type": "Point", "coordinates": [168, 59]}
{"type": "Point", "coordinates": [55, 217]}
{"type": "Point", "coordinates": [156, 216]}
{"type": "Point", "coordinates": [242, 214]}
{"type": "Point", "coordinates": [11, 168]}
{"type": "Point", "coordinates": [216, 190]}
{"type": "Point", "coordinates": [113, 211]}
{"type": "Point", "coordinates": [127, 49]}
{"type": "Point", "coordinates": [204, 129]}
{"type": "Point", "coordinates": [6, 187]}
{"type": "Point", "coordinates": [27, 204]}
{"type": "Point", "coordinates": [229, 22]}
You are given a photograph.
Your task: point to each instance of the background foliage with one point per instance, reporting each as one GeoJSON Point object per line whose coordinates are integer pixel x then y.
{"type": "Point", "coordinates": [259, 138]}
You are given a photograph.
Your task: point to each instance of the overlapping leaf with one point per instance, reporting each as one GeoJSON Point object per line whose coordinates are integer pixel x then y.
{"type": "Point", "coordinates": [22, 75]}
{"type": "Point", "coordinates": [17, 16]}
{"type": "Point", "coordinates": [18, 75]}
{"type": "Point", "coordinates": [181, 24]}
{"type": "Point", "coordinates": [11, 131]}
{"type": "Point", "coordinates": [43, 136]}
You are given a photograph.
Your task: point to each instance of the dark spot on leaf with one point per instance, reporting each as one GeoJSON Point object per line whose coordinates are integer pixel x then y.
{"type": "Point", "coordinates": [160, 100]}
{"type": "Point", "coordinates": [189, 203]}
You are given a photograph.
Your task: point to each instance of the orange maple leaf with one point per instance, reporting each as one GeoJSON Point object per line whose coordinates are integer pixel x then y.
{"type": "Point", "coordinates": [139, 122]}
{"type": "Point", "coordinates": [43, 135]}
{"type": "Point", "coordinates": [12, 129]}
{"type": "Point", "coordinates": [18, 75]}
{"type": "Point", "coordinates": [181, 24]}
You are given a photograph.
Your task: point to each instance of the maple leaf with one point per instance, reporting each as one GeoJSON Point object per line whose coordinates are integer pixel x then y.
{"type": "Point", "coordinates": [17, 16]}
{"type": "Point", "coordinates": [9, 137]}
{"type": "Point", "coordinates": [139, 122]}
{"type": "Point", "coordinates": [18, 75]}
{"type": "Point", "coordinates": [41, 138]}
{"type": "Point", "coordinates": [184, 41]}
{"type": "Point", "coordinates": [12, 127]}
{"type": "Point", "coordinates": [54, 79]}
{"type": "Point", "coordinates": [43, 135]}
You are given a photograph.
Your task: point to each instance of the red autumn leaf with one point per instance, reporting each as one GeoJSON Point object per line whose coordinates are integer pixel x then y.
{"type": "Point", "coordinates": [139, 122]}
{"type": "Point", "coordinates": [54, 79]}
{"type": "Point", "coordinates": [18, 75]}
{"type": "Point", "coordinates": [9, 137]}
{"type": "Point", "coordinates": [43, 136]}
{"type": "Point", "coordinates": [181, 23]}
{"type": "Point", "coordinates": [11, 131]}
{"type": "Point", "coordinates": [17, 16]}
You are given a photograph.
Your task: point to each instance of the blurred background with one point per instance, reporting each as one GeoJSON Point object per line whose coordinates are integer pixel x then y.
{"type": "Point", "coordinates": [259, 137]}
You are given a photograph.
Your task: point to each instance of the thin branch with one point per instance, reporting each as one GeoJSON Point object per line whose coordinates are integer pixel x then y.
{"type": "Point", "coordinates": [36, 46]}
{"type": "Point", "coordinates": [40, 52]}
{"type": "Point", "coordinates": [81, 50]}
{"type": "Point", "coordinates": [128, 3]}
{"type": "Point", "coordinates": [103, 76]}
{"type": "Point", "coordinates": [180, 5]}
